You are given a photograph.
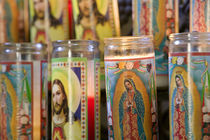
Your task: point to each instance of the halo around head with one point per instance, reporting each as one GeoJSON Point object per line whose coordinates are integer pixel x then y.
{"type": "Point", "coordinates": [56, 8]}
{"type": "Point", "coordinates": [102, 6]}
{"type": "Point", "coordinates": [71, 86]}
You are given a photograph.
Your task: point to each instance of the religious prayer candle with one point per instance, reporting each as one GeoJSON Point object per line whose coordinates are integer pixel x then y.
{"type": "Point", "coordinates": [75, 90]}
{"type": "Point", "coordinates": [131, 88]}
{"type": "Point", "coordinates": [96, 20]}
{"type": "Point", "coordinates": [49, 20]}
{"type": "Point", "coordinates": [8, 21]}
{"type": "Point", "coordinates": [189, 86]}
{"type": "Point", "coordinates": [14, 21]}
{"type": "Point", "coordinates": [200, 15]}
{"type": "Point", "coordinates": [158, 18]}
{"type": "Point", "coordinates": [23, 91]}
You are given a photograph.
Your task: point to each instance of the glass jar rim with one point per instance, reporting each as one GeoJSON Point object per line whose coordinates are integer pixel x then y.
{"type": "Point", "coordinates": [74, 42]}
{"type": "Point", "coordinates": [190, 36]}
{"type": "Point", "coordinates": [24, 45]}
{"type": "Point", "coordinates": [145, 39]}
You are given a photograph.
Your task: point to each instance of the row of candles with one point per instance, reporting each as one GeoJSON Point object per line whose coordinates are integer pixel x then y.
{"type": "Point", "coordinates": [130, 76]}
{"type": "Point", "coordinates": [130, 70]}
{"type": "Point", "coordinates": [50, 20]}
{"type": "Point", "coordinates": [34, 20]}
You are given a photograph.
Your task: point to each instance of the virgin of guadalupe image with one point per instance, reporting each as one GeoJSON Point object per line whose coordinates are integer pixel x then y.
{"type": "Point", "coordinates": [16, 100]}
{"type": "Point", "coordinates": [180, 111]}
{"type": "Point", "coordinates": [131, 108]}
{"type": "Point", "coordinates": [185, 106]}
{"type": "Point", "coordinates": [5, 113]}
{"type": "Point", "coordinates": [131, 112]}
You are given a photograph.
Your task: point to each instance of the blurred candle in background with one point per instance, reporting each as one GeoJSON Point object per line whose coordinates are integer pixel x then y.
{"type": "Point", "coordinates": [200, 15]}
{"type": "Point", "coordinates": [9, 20]}
{"type": "Point", "coordinates": [23, 95]}
{"type": "Point", "coordinates": [49, 20]}
{"type": "Point", "coordinates": [71, 20]}
{"type": "Point", "coordinates": [76, 76]}
{"type": "Point", "coordinates": [23, 20]}
{"type": "Point", "coordinates": [95, 20]}
{"type": "Point", "coordinates": [131, 88]}
{"type": "Point", "coordinates": [158, 18]}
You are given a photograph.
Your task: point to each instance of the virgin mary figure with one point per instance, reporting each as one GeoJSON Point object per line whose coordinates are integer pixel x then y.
{"type": "Point", "coordinates": [180, 110]}
{"type": "Point", "coordinates": [131, 112]}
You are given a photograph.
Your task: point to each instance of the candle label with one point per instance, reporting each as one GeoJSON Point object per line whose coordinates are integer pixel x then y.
{"type": "Point", "coordinates": [44, 99]}
{"type": "Point", "coordinates": [131, 98]}
{"type": "Point", "coordinates": [156, 17]}
{"type": "Point", "coordinates": [16, 100]}
{"type": "Point", "coordinates": [69, 98]}
{"type": "Point", "coordinates": [200, 15]}
{"type": "Point", "coordinates": [189, 95]}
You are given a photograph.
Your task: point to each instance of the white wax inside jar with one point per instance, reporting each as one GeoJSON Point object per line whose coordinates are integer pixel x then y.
{"type": "Point", "coordinates": [129, 57]}
{"type": "Point", "coordinates": [90, 78]}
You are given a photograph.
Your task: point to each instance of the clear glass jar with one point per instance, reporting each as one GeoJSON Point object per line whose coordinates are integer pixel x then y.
{"type": "Point", "coordinates": [24, 89]}
{"type": "Point", "coordinates": [131, 88]}
{"type": "Point", "coordinates": [76, 68]}
{"type": "Point", "coordinates": [128, 47]}
{"type": "Point", "coordinates": [189, 86]}
{"type": "Point", "coordinates": [189, 42]}
{"type": "Point", "coordinates": [23, 52]}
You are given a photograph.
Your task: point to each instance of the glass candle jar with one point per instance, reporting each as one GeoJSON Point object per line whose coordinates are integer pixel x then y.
{"type": "Point", "coordinates": [189, 85]}
{"type": "Point", "coordinates": [131, 88]}
{"type": "Point", "coordinates": [23, 96]}
{"type": "Point", "coordinates": [76, 79]}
